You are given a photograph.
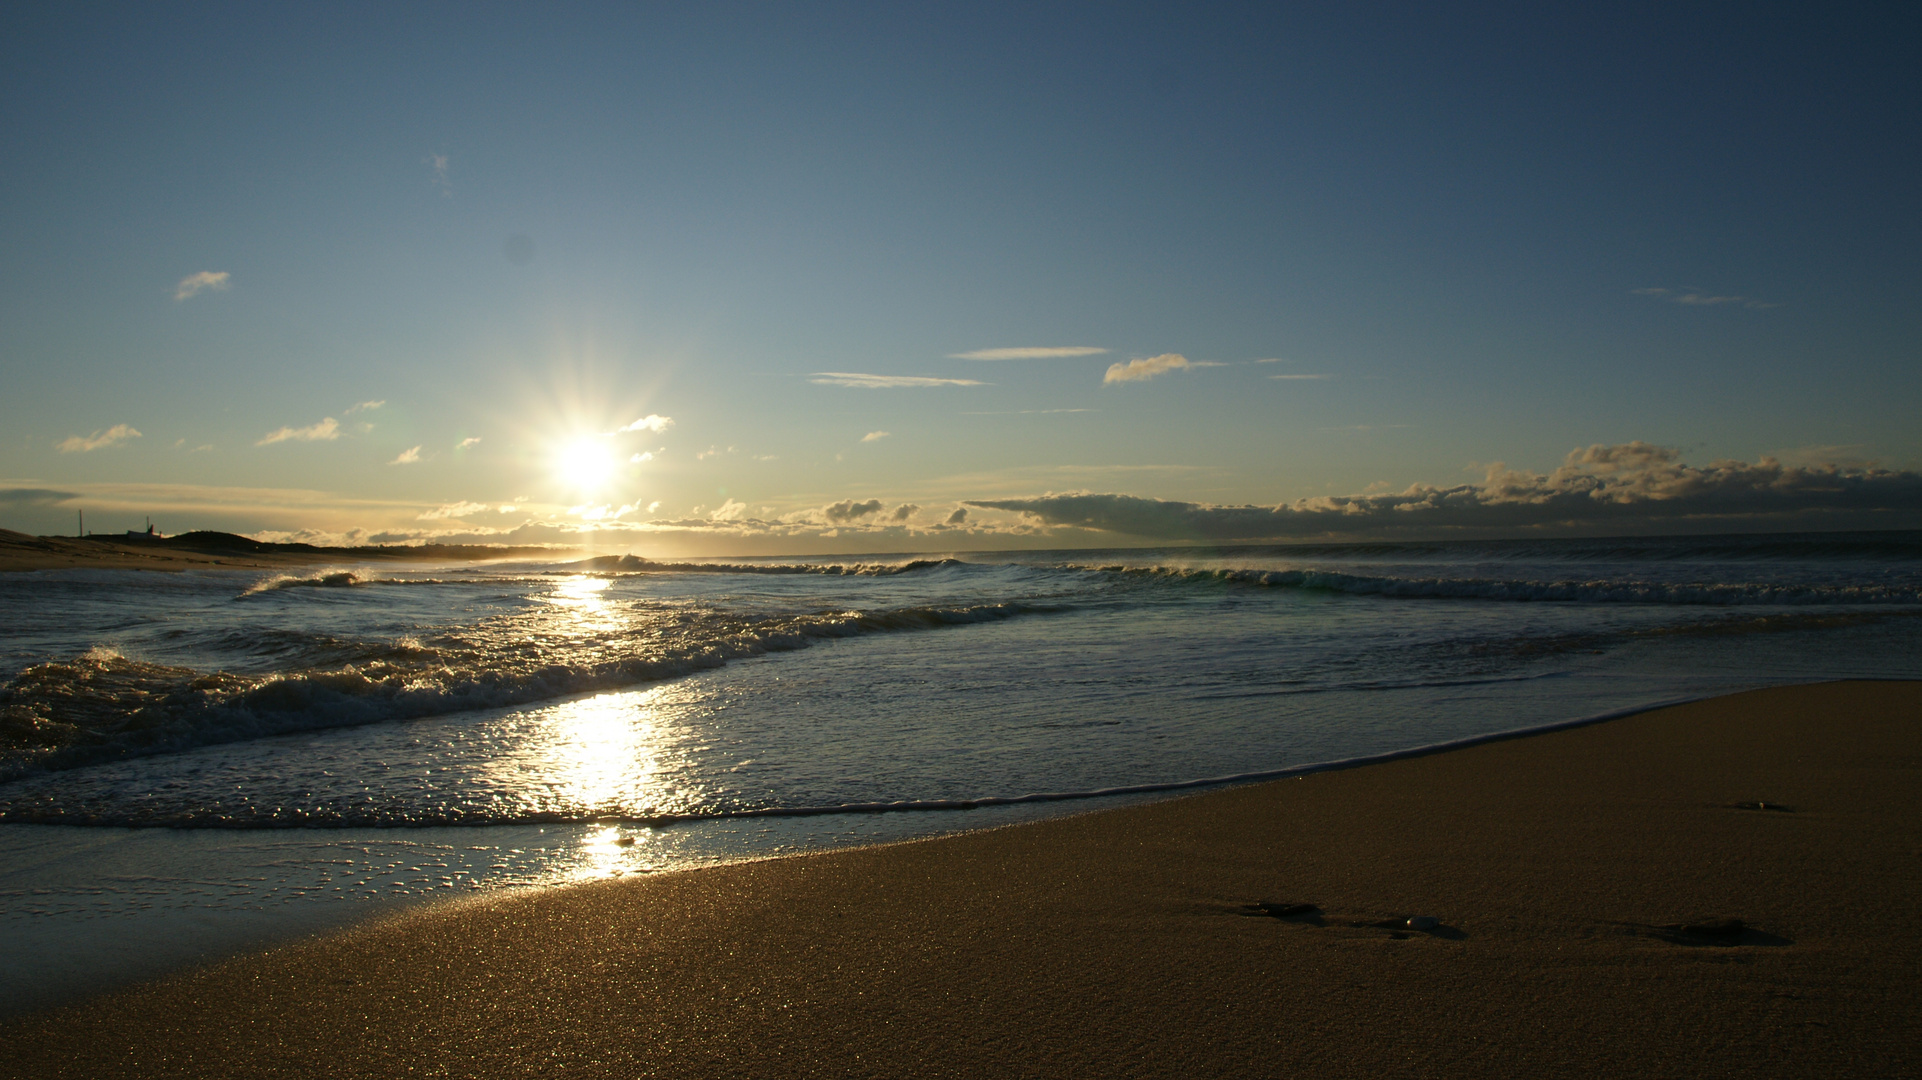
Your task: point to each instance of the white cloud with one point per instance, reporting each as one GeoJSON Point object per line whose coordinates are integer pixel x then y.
{"type": "Point", "coordinates": [875, 436]}
{"type": "Point", "coordinates": [1140, 370]}
{"type": "Point", "coordinates": [731, 510]}
{"type": "Point", "coordinates": [439, 163]}
{"type": "Point", "coordinates": [1028, 353]}
{"type": "Point", "coordinates": [326, 430]}
{"type": "Point", "coordinates": [99, 440]}
{"type": "Point", "coordinates": [364, 406]}
{"type": "Point", "coordinates": [884, 382]}
{"type": "Point", "coordinates": [1630, 486]}
{"type": "Point", "coordinates": [641, 457]}
{"type": "Point", "coordinates": [650, 422]}
{"type": "Point", "coordinates": [471, 440]}
{"type": "Point", "coordinates": [407, 457]}
{"type": "Point", "coordinates": [653, 506]}
{"type": "Point", "coordinates": [193, 284]}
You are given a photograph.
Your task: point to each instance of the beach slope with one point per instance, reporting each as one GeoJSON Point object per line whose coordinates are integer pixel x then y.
{"type": "Point", "coordinates": [1727, 888]}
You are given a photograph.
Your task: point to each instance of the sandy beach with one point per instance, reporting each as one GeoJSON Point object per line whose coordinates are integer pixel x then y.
{"type": "Point", "coordinates": [1581, 884]}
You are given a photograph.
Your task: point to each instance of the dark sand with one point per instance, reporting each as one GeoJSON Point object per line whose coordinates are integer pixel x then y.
{"type": "Point", "coordinates": [1119, 943]}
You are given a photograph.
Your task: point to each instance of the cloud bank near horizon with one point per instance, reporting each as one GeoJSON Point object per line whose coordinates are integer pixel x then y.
{"type": "Point", "coordinates": [1630, 486]}
{"type": "Point", "coordinates": [1623, 489]}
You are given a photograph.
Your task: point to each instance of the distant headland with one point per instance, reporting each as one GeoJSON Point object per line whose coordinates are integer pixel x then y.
{"type": "Point", "coordinates": [203, 550]}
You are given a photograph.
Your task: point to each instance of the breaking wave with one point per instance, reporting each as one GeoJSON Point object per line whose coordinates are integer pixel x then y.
{"type": "Point", "coordinates": [103, 705]}
{"type": "Point", "coordinates": [1606, 590]}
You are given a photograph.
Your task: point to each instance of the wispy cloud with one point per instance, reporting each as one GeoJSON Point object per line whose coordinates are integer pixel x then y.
{"type": "Point", "coordinates": [439, 164]}
{"type": "Point", "coordinates": [1141, 370]}
{"type": "Point", "coordinates": [1698, 298]}
{"type": "Point", "coordinates": [207, 280]}
{"type": "Point", "coordinates": [1627, 486]}
{"type": "Point", "coordinates": [18, 499]}
{"type": "Point", "coordinates": [460, 510]}
{"type": "Point", "coordinates": [1028, 412]}
{"type": "Point", "coordinates": [407, 457]}
{"type": "Point", "coordinates": [884, 382]}
{"type": "Point", "coordinates": [875, 436]}
{"type": "Point", "coordinates": [99, 440]}
{"type": "Point", "coordinates": [326, 429]}
{"type": "Point", "coordinates": [365, 406]}
{"type": "Point", "coordinates": [650, 422]}
{"type": "Point", "coordinates": [1030, 352]}
{"type": "Point", "coordinates": [471, 440]}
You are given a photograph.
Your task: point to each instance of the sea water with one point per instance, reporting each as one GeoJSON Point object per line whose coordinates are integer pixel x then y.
{"type": "Point", "coordinates": [195, 762]}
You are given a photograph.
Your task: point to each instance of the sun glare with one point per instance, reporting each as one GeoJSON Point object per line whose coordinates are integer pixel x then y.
{"type": "Point", "coordinates": [585, 465]}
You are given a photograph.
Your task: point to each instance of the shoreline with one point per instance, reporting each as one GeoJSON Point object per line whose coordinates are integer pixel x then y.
{"type": "Point", "coordinates": [1562, 866]}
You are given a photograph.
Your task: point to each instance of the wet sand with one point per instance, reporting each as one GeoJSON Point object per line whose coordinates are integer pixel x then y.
{"type": "Point", "coordinates": [1581, 882]}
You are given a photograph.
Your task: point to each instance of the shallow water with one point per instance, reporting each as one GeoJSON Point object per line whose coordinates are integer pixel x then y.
{"type": "Point", "coordinates": [306, 737]}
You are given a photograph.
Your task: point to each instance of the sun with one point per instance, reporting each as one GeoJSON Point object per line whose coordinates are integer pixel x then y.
{"type": "Point", "coordinates": [585, 465]}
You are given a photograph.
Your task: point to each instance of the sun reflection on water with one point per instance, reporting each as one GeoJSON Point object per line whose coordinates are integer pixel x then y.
{"type": "Point", "coordinates": [600, 758]}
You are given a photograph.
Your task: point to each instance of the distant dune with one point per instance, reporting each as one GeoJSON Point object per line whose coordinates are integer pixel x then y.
{"type": "Point", "coordinates": [19, 551]}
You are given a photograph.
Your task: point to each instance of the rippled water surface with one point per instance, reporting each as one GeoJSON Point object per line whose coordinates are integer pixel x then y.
{"type": "Point", "coordinates": [560, 721]}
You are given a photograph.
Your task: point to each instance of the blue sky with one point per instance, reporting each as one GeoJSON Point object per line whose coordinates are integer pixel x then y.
{"type": "Point", "coordinates": [1392, 246]}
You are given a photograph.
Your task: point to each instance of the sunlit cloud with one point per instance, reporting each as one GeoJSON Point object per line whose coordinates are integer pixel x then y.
{"type": "Point", "coordinates": [99, 440]}
{"type": "Point", "coordinates": [365, 406]}
{"type": "Point", "coordinates": [326, 429]}
{"type": "Point", "coordinates": [471, 440]}
{"type": "Point", "coordinates": [1627, 486]}
{"type": "Point", "coordinates": [875, 436]}
{"type": "Point", "coordinates": [205, 281]}
{"type": "Point", "coordinates": [650, 422]}
{"type": "Point", "coordinates": [1140, 370]}
{"type": "Point", "coordinates": [1698, 298]}
{"type": "Point", "coordinates": [460, 510]}
{"type": "Point", "coordinates": [644, 456]}
{"type": "Point", "coordinates": [731, 510]}
{"type": "Point", "coordinates": [1032, 352]}
{"type": "Point", "coordinates": [884, 382]}
{"type": "Point", "coordinates": [409, 456]}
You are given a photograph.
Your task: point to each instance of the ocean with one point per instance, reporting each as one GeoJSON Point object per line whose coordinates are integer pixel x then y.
{"type": "Point", "coordinates": [193, 763]}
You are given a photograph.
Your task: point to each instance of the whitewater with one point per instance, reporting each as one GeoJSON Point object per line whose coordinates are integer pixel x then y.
{"type": "Point", "coordinates": [238, 753]}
